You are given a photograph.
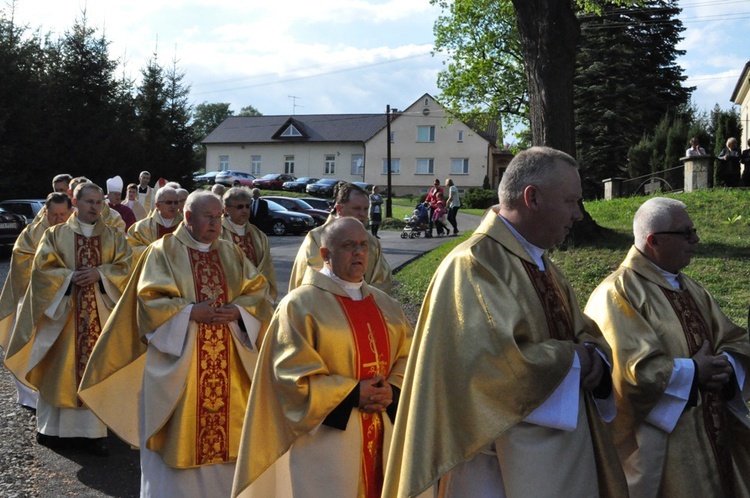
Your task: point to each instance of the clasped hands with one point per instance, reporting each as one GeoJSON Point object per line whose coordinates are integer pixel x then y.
{"type": "Point", "coordinates": [375, 395]}
{"type": "Point", "coordinates": [592, 366]}
{"type": "Point", "coordinates": [86, 276]}
{"type": "Point", "coordinates": [713, 371]}
{"type": "Point", "coordinates": [207, 312]}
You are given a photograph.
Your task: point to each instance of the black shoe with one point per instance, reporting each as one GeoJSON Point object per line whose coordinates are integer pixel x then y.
{"type": "Point", "coordinates": [48, 441]}
{"type": "Point", "coordinates": [427, 235]}
{"type": "Point", "coordinates": [97, 447]}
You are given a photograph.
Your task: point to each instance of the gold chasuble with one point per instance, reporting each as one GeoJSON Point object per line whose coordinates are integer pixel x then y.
{"type": "Point", "coordinates": [60, 322]}
{"type": "Point", "coordinates": [18, 276]}
{"type": "Point", "coordinates": [192, 401]}
{"type": "Point", "coordinates": [146, 231]}
{"type": "Point", "coordinates": [320, 344]}
{"type": "Point", "coordinates": [494, 339]}
{"type": "Point", "coordinates": [254, 245]}
{"type": "Point", "coordinates": [377, 274]}
{"type": "Point", "coordinates": [650, 324]}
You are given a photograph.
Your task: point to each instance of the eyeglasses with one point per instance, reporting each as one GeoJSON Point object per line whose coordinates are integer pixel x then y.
{"type": "Point", "coordinates": [687, 234]}
{"type": "Point", "coordinates": [240, 206]}
{"type": "Point", "coordinates": [169, 203]}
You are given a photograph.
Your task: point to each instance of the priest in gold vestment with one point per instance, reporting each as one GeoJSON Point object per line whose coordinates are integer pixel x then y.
{"type": "Point", "coordinates": [79, 271]}
{"type": "Point", "coordinates": [679, 366]}
{"type": "Point", "coordinates": [172, 372]}
{"type": "Point", "coordinates": [351, 200]}
{"type": "Point", "coordinates": [237, 228]}
{"type": "Point", "coordinates": [327, 382]}
{"type": "Point", "coordinates": [506, 389]}
{"type": "Point", "coordinates": [57, 209]}
{"type": "Point", "coordinates": [162, 220]}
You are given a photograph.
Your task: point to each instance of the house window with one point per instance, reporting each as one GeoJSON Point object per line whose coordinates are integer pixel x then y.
{"type": "Point", "coordinates": [291, 131]}
{"type": "Point", "coordinates": [255, 165]}
{"type": "Point", "coordinates": [358, 165]}
{"type": "Point", "coordinates": [425, 133]}
{"type": "Point", "coordinates": [425, 166]}
{"type": "Point", "coordinates": [289, 165]}
{"type": "Point", "coordinates": [393, 137]}
{"type": "Point", "coordinates": [460, 135]}
{"type": "Point", "coordinates": [330, 168]}
{"type": "Point", "coordinates": [395, 166]}
{"type": "Point", "coordinates": [426, 101]}
{"type": "Point", "coordinates": [460, 166]}
{"type": "Point", "coordinates": [223, 163]}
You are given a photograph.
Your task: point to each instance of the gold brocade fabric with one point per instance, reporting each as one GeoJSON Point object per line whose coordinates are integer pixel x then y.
{"type": "Point", "coordinates": [194, 404]}
{"type": "Point", "coordinates": [649, 325]}
{"type": "Point", "coordinates": [146, 231]}
{"type": "Point", "coordinates": [61, 351]}
{"type": "Point", "coordinates": [255, 238]}
{"type": "Point", "coordinates": [18, 276]}
{"type": "Point", "coordinates": [377, 274]}
{"type": "Point", "coordinates": [307, 366]}
{"type": "Point", "coordinates": [483, 359]}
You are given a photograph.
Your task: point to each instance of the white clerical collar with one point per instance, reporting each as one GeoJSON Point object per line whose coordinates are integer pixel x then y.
{"type": "Point", "coordinates": [87, 229]}
{"type": "Point", "coordinates": [238, 229]}
{"type": "Point", "coordinates": [165, 222]}
{"type": "Point", "coordinates": [672, 278]}
{"type": "Point", "coordinates": [535, 252]}
{"type": "Point", "coordinates": [201, 246]}
{"type": "Point", "coordinates": [353, 289]}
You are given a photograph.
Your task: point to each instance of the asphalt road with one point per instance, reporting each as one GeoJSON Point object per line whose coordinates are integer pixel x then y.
{"type": "Point", "coordinates": [69, 472]}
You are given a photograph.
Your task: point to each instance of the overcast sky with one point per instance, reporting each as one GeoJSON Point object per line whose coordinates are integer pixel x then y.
{"type": "Point", "coordinates": [337, 56]}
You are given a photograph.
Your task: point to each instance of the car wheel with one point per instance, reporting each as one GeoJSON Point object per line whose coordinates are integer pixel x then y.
{"type": "Point", "coordinates": [278, 227]}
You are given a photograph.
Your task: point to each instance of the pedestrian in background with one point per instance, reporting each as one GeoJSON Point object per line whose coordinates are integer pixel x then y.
{"type": "Point", "coordinates": [375, 213]}
{"type": "Point", "coordinates": [453, 202]}
{"type": "Point", "coordinates": [432, 200]}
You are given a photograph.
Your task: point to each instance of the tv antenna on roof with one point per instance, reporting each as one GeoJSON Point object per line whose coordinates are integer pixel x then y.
{"type": "Point", "coordinates": [294, 103]}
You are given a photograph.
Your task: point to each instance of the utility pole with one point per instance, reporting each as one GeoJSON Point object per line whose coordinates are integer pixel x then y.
{"type": "Point", "coordinates": [388, 204]}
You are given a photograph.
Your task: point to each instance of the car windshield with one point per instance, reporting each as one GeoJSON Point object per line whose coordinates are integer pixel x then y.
{"type": "Point", "coordinates": [303, 204]}
{"type": "Point", "coordinates": [275, 206]}
{"type": "Point", "coordinates": [270, 176]}
{"type": "Point", "coordinates": [328, 181]}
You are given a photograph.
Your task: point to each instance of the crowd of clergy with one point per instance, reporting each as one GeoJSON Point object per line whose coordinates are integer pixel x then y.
{"type": "Point", "coordinates": [157, 318]}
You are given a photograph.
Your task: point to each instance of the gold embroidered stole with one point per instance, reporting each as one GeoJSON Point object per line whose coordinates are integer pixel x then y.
{"type": "Point", "coordinates": [88, 326]}
{"type": "Point", "coordinates": [695, 328]}
{"type": "Point", "coordinates": [246, 244]}
{"type": "Point", "coordinates": [372, 357]}
{"type": "Point", "coordinates": [558, 318]}
{"type": "Point", "coordinates": [213, 365]}
{"type": "Point", "coordinates": [161, 230]}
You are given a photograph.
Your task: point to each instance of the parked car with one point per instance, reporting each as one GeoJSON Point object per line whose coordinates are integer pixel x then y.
{"type": "Point", "coordinates": [273, 181]}
{"type": "Point", "coordinates": [281, 221]}
{"type": "Point", "coordinates": [317, 203]}
{"type": "Point", "coordinates": [28, 208]}
{"type": "Point", "coordinates": [299, 184]}
{"type": "Point", "coordinates": [322, 188]}
{"type": "Point", "coordinates": [201, 179]}
{"type": "Point", "coordinates": [366, 186]}
{"type": "Point", "coordinates": [11, 226]}
{"type": "Point", "coordinates": [229, 176]}
{"type": "Point", "coordinates": [299, 206]}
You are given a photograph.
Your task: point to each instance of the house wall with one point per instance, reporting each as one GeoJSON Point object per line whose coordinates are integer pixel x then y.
{"type": "Point", "coordinates": [408, 150]}
{"type": "Point", "coordinates": [309, 158]}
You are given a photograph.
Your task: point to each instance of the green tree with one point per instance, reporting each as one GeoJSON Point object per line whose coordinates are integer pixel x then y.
{"type": "Point", "coordinates": [180, 132]}
{"type": "Point", "coordinates": [208, 116]}
{"type": "Point", "coordinates": [249, 110]}
{"type": "Point", "coordinates": [153, 119]}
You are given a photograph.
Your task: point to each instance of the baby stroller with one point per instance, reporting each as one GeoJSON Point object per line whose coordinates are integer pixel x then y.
{"type": "Point", "coordinates": [416, 224]}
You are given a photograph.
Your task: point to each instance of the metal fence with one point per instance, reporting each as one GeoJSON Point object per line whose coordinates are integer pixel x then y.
{"type": "Point", "coordinates": [667, 180]}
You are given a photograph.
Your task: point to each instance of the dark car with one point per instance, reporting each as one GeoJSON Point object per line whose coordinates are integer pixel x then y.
{"type": "Point", "coordinates": [322, 188]}
{"type": "Point", "coordinates": [201, 179]}
{"type": "Point", "coordinates": [273, 181]}
{"type": "Point", "coordinates": [299, 206]}
{"type": "Point", "coordinates": [282, 221]}
{"type": "Point", "coordinates": [299, 184]}
{"type": "Point", "coordinates": [230, 176]}
{"type": "Point", "coordinates": [11, 226]}
{"type": "Point", "coordinates": [28, 208]}
{"type": "Point", "coordinates": [366, 186]}
{"type": "Point", "coordinates": [317, 203]}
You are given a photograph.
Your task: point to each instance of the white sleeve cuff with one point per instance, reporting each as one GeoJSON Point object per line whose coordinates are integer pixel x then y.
{"type": "Point", "coordinates": [667, 411]}
{"type": "Point", "coordinates": [170, 337]}
{"type": "Point", "coordinates": [560, 410]}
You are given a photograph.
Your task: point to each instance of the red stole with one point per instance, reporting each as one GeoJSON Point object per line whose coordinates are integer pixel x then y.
{"type": "Point", "coordinates": [161, 230]}
{"type": "Point", "coordinates": [88, 327]}
{"type": "Point", "coordinates": [372, 357]}
{"type": "Point", "coordinates": [696, 330]}
{"type": "Point", "coordinates": [213, 365]}
{"type": "Point", "coordinates": [246, 244]}
{"type": "Point", "coordinates": [558, 318]}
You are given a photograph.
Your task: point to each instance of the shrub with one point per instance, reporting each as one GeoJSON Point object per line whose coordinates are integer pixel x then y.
{"type": "Point", "coordinates": [479, 198]}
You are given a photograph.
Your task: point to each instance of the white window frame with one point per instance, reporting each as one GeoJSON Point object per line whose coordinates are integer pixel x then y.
{"type": "Point", "coordinates": [358, 164]}
{"type": "Point", "coordinates": [460, 135]}
{"type": "Point", "coordinates": [330, 164]}
{"type": "Point", "coordinates": [289, 165]}
{"type": "Point", "coordinates": [291, 131]}
{"type": "Point", "coordinates": [223, 163]}
{"type": "Point", "coordinates": [393, 137]}
{"type": "Point", "coordinates": [395, 166]}
{"type": "Point", "coordinates": [429, 130]}
{"type": "Point", "coordinates": [459, 166]}
{"type": "Point", "coordinates": [255, 165]}
{"type": "Point", "coordinates": [424, 166]}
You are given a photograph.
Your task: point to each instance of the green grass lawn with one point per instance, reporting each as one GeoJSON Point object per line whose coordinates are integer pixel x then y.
{"type": "Point", "coordinates": [721, 263]}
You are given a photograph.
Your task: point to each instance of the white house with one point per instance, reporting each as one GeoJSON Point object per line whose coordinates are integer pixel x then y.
{"type": "Point", "coordinates": [425, 144]}
{"type": "Point", "coordinates": [741, 97]}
